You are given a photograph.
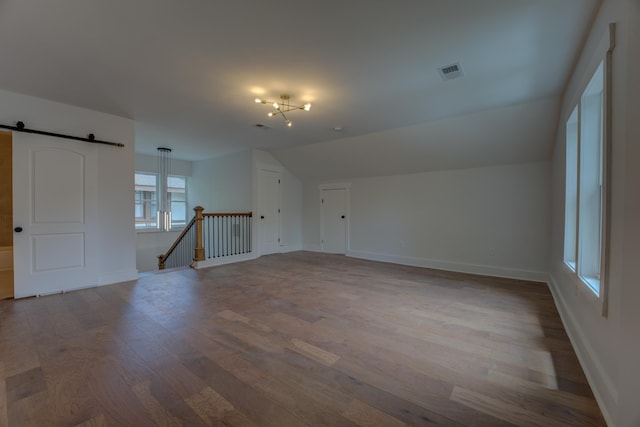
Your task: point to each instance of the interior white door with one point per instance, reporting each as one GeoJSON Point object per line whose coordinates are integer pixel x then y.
{"type": "Point", "coordinates": [54, 214]}
{"type": "Point", "coordinates": [268, 218]}
{"type": "Point", "coordinates": [334, 220]}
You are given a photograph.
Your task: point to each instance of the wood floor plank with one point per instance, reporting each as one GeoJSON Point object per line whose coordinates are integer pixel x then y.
{"type": "Point", "coordinates": [4, 420]}
{"type": "Point", "coordinates": [249, 400]}
{"type": "Point", "coordinates": [318, 411]}
{"type": "Point", "coordinates": [209, 405]}
{"type": "Point", "coordinates": [160, 416]}
{"type": "Point", "coordinates": [561, 398]}
{"type": "Point", "coordinates": [24, 384]}
{"type": "Point", "coordinates": [181, 381]}
{"type": "Point", "coordinates": [108, 383]}
{"type": "Point", "coordinates": [316, 353]}
{"type": "Point", "coordinates": [97, 421]}
{"type": "Point", "coordinates": [34, 410]}
{"type": "Point", "coordinates": [368, 416]}
{"type": "Point", "coordinates": [293, 339]}
{"type": "Point", "coordinates": [420, 390]}
{"type": "Point", "coordinates": [69, 393]}
{"type": "Point", "coordinates": [503, 410]}
{"type": "Point", "coordinates": [235, 317]}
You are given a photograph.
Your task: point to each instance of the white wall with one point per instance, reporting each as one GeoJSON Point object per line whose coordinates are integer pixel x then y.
{"type": "Point", "coordinates": [149, 245]}
{"type": "Point", "coordinates": [490, 220]}
{"type": "Point", "coordinates": [629, 373]}
{"type": "Point", "coordinates": [115, 229]}
{"type": "Point", "coordinates": [228, 184]}
{"type": "Point", "coordinates": [222, 184]}
{"type": "Point", "coordinates": [179, 167]}
{"type": "Point", "coordinates": [608, 348]}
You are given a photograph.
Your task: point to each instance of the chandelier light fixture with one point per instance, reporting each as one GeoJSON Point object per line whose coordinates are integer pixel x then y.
{"type": "Point", "coordinates": [283, 107]}
{"type": "Point", "coordinates": [163, 219]}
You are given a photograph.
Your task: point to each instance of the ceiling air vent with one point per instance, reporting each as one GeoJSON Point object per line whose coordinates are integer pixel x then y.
{"type": "Point", "coordinates": [451, 71]}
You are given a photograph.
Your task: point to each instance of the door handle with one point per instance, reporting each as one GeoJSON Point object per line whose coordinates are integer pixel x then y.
{"type": "Point", "coordinates": [18, 229]}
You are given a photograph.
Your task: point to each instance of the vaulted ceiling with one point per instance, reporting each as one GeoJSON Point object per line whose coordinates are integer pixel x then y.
{"type": "Point", "coordinates": [188, 71]}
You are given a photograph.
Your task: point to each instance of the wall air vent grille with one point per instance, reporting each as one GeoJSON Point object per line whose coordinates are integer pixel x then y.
{"type": "Point", "coordinates": [451, 71]}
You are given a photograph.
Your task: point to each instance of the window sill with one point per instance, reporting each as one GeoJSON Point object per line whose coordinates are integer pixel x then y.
{"type": "Point", "coordinates": [592, 284]}
{"type": "Point", "coordinates": [582, 288]}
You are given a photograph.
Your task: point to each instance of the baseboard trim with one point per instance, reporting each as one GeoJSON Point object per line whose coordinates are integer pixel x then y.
{"type": "Point", "coordinates": [286, 249]}
{"type": "Point", "coordinates": [483, 270]}
{"type": "Point", "coordinates": [102, 280]}
{"type": "Point", "coordinates": [213, 262]}
{"type": "Point", "coordinates": [311, 248]}
{"type": "Point", "coordinates": [117, 277]}
{"type": "Point", "coordinates": [600, 383]}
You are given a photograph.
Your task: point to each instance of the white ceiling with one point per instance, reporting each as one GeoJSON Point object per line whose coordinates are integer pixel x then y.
{"type": "Point", "coordinates": [187, 71]}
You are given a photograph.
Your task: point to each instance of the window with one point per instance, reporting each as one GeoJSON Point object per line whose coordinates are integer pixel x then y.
{"type": "Point", "coordinates": [146, 201]}
{"type": "Point", "coordinates": [584, 184]}
{"type": "Point", "coordinates": [146, 205]}
{"type": "Point", "coordinates": [177, 198]}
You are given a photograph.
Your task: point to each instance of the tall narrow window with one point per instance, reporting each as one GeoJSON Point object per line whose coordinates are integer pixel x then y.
{"type": "Point", "coordinates": [146, 204]}
{"type": "Point", "coordinates": [571, 192]}
{"type": "Point", "coordinates": [590, 182]}
{"type": "Point", "coordinates": [177, 197]}
{"type": "Point", "coordinates": [584, 200]}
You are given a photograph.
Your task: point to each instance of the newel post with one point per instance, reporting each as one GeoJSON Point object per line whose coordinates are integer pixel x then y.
{"type": "Point", "coordinates": [199, 250]}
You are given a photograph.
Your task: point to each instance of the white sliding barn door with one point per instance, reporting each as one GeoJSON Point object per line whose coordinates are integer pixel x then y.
{"type": "Point", "coordinates": [55, 205]}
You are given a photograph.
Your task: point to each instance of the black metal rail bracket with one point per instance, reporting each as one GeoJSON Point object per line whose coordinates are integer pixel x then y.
{"type": "Point", "coordinates": [20, 127]}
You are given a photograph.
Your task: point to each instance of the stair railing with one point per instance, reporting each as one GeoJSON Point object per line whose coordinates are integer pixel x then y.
{"type": "Point", "coordinates": [207, 236]}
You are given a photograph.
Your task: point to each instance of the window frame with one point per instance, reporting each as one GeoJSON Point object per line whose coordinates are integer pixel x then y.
{"type": "Point", "coordinates": [584, 285]}
{"type": "Point", "coordinates": [154, 223]}
{"type": "Point", "coordinates": [185, 201]}
{"type": "Point", "coordinates": [591, 140]}
{"type": "Point", "coordinates": [152, 226]}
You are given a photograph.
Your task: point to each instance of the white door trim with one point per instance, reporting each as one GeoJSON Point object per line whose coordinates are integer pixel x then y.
{"type": "Point", "coordinates": [261, 166]}
{"type": "Point", "coordinates": [335, 186]}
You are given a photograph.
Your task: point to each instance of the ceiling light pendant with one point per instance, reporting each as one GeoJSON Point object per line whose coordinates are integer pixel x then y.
{"type": "Point", "coordinates": [283, 107]}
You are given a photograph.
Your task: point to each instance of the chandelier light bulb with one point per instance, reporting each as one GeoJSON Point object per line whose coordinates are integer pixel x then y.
{"type": "Point", "coordinates": [288, 123]}
{"type": "Point", "coordinates": [307, 106]}
{"type": "Point", "coordinates": [258, 101]}
{"type": "Point", "coordinates": [271, 114]}
{"type": "Point", "coordinates": [276, 106]}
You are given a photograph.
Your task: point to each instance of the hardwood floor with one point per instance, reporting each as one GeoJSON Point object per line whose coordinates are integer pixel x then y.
{"type": "Point", "coordinates": [299, 339]}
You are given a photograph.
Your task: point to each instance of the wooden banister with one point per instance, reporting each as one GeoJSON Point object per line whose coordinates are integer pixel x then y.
{"type": "Point", "coordinates": [162, 258]}
{"type": "Point", "coordinates": [199, 250]}
{"type": "Point", "coordinates": [190, 245]}
{"type": "Point", "coordinates": [249, 214]}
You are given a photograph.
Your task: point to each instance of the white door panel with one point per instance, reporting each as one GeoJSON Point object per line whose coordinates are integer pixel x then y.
{"type": "Point", "coordinates": [47, 255]}
{"type": "Point", "coordinates": [268, 218]}
{"type": "Point", "coordinates": [55, 204]}
{"type": "Point", "coordinates": [334, 221]}
{"type": "Point", "coordinates": [58, 187]}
